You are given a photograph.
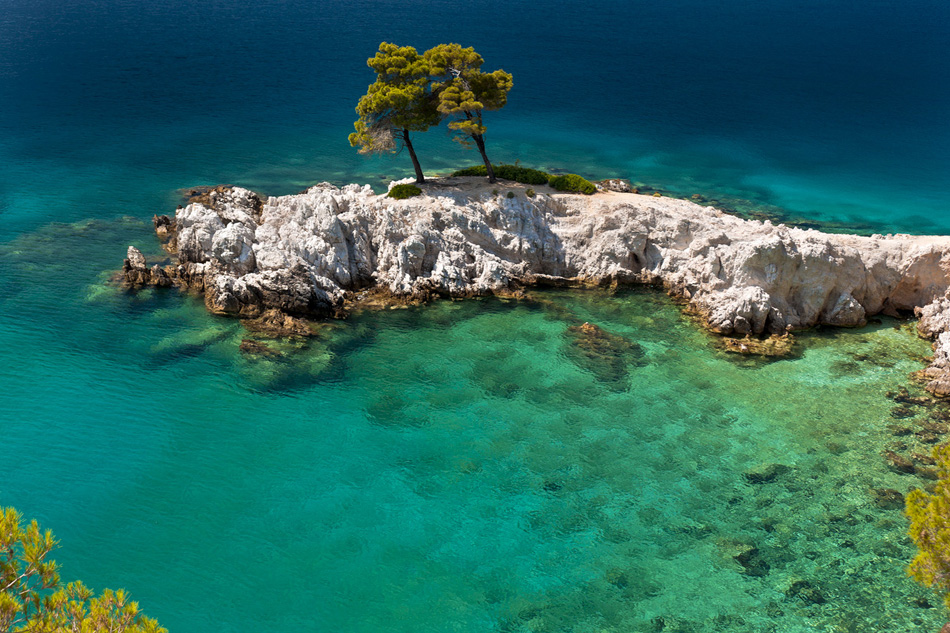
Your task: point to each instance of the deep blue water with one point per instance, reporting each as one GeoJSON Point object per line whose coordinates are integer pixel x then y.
{"type": "Point", "coordinates": [458, 467]}
{"type": "Point", "coordinates": [828, 110]}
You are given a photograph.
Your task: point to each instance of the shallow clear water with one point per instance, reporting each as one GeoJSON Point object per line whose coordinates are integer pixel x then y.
{"type": "Point", "coordinates": [464, 466]}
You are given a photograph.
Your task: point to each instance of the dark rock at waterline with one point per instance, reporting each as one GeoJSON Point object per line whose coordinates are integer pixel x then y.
{"type": "Point", "coordinates": [765, 473]}
{"type": "Point", "coordinates": [923, 458]}
{"type": "Point", "coordinates": [928, 472]}
{"type": "Point", "coordinates": [806, 592]}
{"type": "Point", "coordinates": [279, 324]}
{"type": "Point", "coordinates": [166, 230]}
{"type": "Point", "coordinates": [898, 463]}
{"type": "Point", "coordinates": [888, 498]}
{"type": "Point", "coordinates": [135, 269]}
{"type": "Point", "coordinates": [136, 273]}
{"type": "Point", "coordinates": [927, 437]}
{"type": "Point", "coordinates": [158, 276]}
{"type": "Point", "coordinates": [163, 224]}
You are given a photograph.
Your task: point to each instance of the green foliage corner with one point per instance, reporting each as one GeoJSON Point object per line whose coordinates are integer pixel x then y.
{"type": "Point", "coordinates": [32, 598]}
{"type": "Point", "coordinates": [929, 515]}
{"type": "Point", "coordinates": [572, 183]}
{"type": "Point", "coordinates": [401, 192]}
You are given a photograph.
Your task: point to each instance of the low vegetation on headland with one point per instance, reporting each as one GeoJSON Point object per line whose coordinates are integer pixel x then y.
{"type": "Point", "coordinates": [563, 182]}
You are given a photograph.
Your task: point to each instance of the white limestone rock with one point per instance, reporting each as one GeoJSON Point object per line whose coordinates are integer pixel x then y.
{"type": "Point", "coordinates": [304, 253]}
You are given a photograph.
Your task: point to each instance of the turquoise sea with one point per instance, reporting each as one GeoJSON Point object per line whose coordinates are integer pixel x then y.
{"type": "Point", "coordinates": [463, 466]}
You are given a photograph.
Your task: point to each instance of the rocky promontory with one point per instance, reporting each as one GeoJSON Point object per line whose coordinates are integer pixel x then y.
{"type": "Point", "coordinates": [315, 253]}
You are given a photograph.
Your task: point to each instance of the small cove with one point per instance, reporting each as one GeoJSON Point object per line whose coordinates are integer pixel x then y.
{"type": "Point", "coordinates": [459, 462]}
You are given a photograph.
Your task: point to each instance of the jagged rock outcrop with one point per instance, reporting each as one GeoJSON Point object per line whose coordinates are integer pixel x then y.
{"type": "Point", "coordinates": [305, 254]}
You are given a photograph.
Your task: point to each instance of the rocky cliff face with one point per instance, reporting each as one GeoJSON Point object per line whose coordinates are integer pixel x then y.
{"type": "Point", "coordinates": [306, 254]}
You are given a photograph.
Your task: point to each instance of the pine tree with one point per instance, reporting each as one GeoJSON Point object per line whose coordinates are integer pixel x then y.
{"type": "Point", "coordinates": [464, 92]}
{"type": "Point", "coordinates": [31, 598]}
{"type": "Point", "coordinates": [400, 101]}
{"type": "Point", "coordinates": [930, 529]}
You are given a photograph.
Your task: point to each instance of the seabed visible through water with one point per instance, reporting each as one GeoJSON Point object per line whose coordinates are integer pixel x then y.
{"type": "Point", "coordinates": [466, 465]}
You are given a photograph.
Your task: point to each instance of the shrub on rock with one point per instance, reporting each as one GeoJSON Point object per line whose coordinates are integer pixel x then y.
{"type": "Point", "coordinates": [401, 192]}
{"type": "Point", "coordinates": [524, 175]}
{"type": "Point", "coordinates": [572, 183]}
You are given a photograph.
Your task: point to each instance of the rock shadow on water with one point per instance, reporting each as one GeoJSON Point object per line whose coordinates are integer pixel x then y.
{"type": "Point", "coordinates": [607, 356]}
{"type": "Point", "coordinates": [188, 343]}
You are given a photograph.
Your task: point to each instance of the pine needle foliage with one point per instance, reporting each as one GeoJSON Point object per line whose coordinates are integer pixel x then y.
{"type": "Point", "coordinates": [929, 516]}
{"type": "Point", "coordinates": [32, 599]}
{"type": "Point", "coordinates": [465, 93]}
{"type": "Point", "coordinates": [399, 102]}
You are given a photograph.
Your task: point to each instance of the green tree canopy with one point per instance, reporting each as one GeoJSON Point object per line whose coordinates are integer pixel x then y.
{"type": "Point", "coordinates": [930, 529]}
{"type": "Point", "coordinates": [32, 600]}
{"type": "Point", "coordinates": [400, 101]}
{"type": "Point", "coordinates": [464, 92]}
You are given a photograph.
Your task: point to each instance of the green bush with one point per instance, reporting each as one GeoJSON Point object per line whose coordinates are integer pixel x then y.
{"type": "Point", "coordinates": [530, 193]}
{"type": "Point", "coordinates": [511, 194]}
{"type": "Point", "coordinates": [572, 182]}
{"type": "Point", "coordinates": [401, 192]}
{"type": "Point", "coordinates": [524, 175]}
{"type": "Point", "coordinates": [474, 170]}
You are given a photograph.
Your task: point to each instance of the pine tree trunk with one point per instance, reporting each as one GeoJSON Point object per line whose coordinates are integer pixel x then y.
{"type": "Point", "coordinates": [480, 144]}
{"type": "Point", "coordinates": [412, 154]}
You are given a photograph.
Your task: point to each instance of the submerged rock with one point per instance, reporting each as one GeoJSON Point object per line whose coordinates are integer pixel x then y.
{"type": "Point", "coordinates": [805, 591]}
{"type": "Point", "coordinates": [899, 431]}
{"type": "Point", "coordinates": [921, 458]}
{"type": "Point", "coordinates": [602, 353]}
{"type": "Point", "coordinates": [256, 348]}
{"type": "Point", "coordinates": [888, 498]}
{"type": "Point", "coordinates": [898, 463]}
{"type": "Point", "coordinates": [775, 345]}
{"type": "Point", "coordinates": [765, 473]}
{"type": "Point", "coordinates": [901, 412]}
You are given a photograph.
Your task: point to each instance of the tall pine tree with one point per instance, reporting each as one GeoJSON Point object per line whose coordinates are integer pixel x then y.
{"type": "Point", "coordinates": [464, 92]}
{"type": "Point", "coordinates": [400, 101]}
